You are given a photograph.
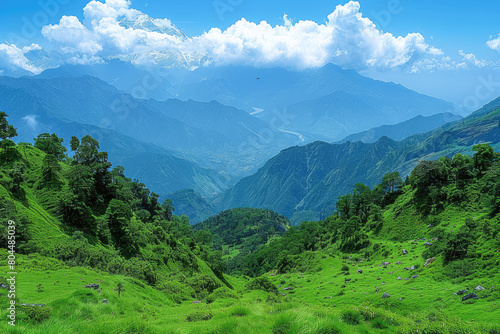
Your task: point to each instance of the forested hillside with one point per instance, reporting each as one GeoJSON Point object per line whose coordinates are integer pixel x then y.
{"type": "Point", "coordinates": [96, 252]}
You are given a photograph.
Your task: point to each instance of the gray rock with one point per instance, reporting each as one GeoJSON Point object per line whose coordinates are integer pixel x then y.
{"type": "Point", "coordinates": [360, 271]}
{"type": "Point", "coordinates": [427, 244]}
{"type": "Point", "coordinates": [461, 292]}
{"type": "Point", "coordinates": [399, 262]}
{"type": "Point", "coordinates": [105, 301]}
{"type": "Point", "coordinates": [415, 276]}
{"type": "Point", "coordinates": [470, 296]}
{"type": "Point", "coordinates": [399, 278]}
{"type": "Point", "coordinates": [478, 288]}
{"type": "Point", "coordinates": [429, 226]}
{"type": "Point", "coordinates": [287, 288]}
{"type": "Point", "coordinates": [196, 301]}
{"type": "Point", "coordinates": [92, 286]}
{"type": "Point", "coordinates": [405, 252]}
{"type": "Point", "coordinates": [429, 261]}
{"type": "Point", "coordinates": [386, 295]}
{"type": "Point", "coordinates": [378, 278]}
{"type": "Point", "coordinates": [386, 263]}
{"type": "Point", "coordinates": [3, 286]}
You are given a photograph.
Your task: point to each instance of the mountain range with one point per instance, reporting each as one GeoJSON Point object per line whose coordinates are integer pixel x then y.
{"type": "Point", "coordinates": [304, 182]}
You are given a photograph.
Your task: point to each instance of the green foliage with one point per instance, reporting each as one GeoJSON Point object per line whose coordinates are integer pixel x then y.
{"type": "Point", "coordinates": [351, 317]}
{"type": "Point", "coordinates": [51, 144]}
{"type": "Point", "coordinates": [36, 313]}
{"type": "Point", "coordinates": [262, 283]}
{"type": "Point", "coordinates": [6, 130]}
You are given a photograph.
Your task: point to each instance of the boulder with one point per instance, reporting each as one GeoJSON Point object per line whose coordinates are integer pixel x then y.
{"type": "Point", "coordinates": [429, 261]}
{"type": "Point", "coordinates": [470, 296]}
{"type": "Point", "coordinates": [378, 278]}
{"type": "Point", "coordinates": [386, 263]}
{"type": "Point", "coordinates": [405, 252]}
{"type": "Point", "coordinates": [478, 288]}
{"type": "Point", "coordinates": [461, 292]}
{"type": "Point", "coordinates": [399, 278]}
{"type": "Point", "coordinates": [92, 286]}
{"type": "Point", "coordinates": [427, 244]}
{"type": "Point", "coordinates": [360, 271]}
{"type": "Point", "coordinates": [386, 295]}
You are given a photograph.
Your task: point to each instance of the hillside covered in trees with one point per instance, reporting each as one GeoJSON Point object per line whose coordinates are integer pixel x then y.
{"type": "Point", "coordinates": [96, 252]}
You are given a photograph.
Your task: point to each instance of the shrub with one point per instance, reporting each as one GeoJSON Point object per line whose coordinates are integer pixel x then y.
{"type": "Point", "coordinates": [379, 323]}
{"type": "Point", "coordinates": [36, 313]}
{"type": "Point", "coordinates": [199, 317]}
{"type": "Point", "coordinates": [262, 283]}
{"type": "Point", "coordinates": [222, 292]}
{"type": "Point", "coordinates": [351, 317]}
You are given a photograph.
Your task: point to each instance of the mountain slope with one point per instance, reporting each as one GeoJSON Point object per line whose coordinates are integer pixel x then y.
{"type": "Point", "coordinates": [304, 182]}
{"type": "Point", "coordinates": [400, 131]}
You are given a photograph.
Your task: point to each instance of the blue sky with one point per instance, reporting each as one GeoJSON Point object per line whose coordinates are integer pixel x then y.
{"type": "Point", "coordinates": [448, 43]}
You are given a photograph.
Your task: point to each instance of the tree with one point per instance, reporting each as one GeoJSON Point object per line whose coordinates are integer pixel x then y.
{"type": "Point", "coordinates": [51, 144]}
{"type": "Point", "coordinates": [119, 289]}
{"type": "Point", "coordinates": [484, 156]}
{"type": "Point", "coordinates": [168, 209]}
{"type": "Point", "coordinates": [6, 130]}
{"type": "Point", "coordinates": [51, 171]}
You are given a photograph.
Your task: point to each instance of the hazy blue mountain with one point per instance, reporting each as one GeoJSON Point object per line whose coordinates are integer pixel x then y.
{"type": "Point", "coordinates": [304, 182]}
{"type": "Point", "coordinates": [328, 101]}
{"type": "Point", "coordinates": [400, 131]}
{"type": "Point", "coordinates": [188, 202]}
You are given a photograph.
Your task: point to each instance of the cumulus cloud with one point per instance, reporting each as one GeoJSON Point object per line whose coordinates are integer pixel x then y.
{"type": "Point", "coordinates": [494, 44]}
{"type": "Point", "coordinates": [346, 38]}
{"type": "Point", "coordinates": [13, 58]}
{"type": "Point", "coordinates": [112, 29]}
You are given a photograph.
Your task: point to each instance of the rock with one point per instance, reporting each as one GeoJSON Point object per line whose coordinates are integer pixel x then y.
{"type": "Point", "coordinates": [287, 288]}
{"type": "Point", "coordinates": [478, 288]}
{"type": "Point", "coordinates": [406, 278]}
{"type": "Point", "coordinates": [386, 263]}
{"type": "Point", "coordinates": [470, 296]}
{"type": "Point", "coordinates": [427, 244]}
{"type": "Point", "coordinates": [405, 252]}
{"type": "Point", "coordinates": [399, 262]}
{"type": "Point", "coordinates": [105, 301]}
{"type": "Point", "coordinates": [460, 292]}
{"type": "Point", "coordinates": [279, 286]}
{"type": "Point", "coordinates": [360, 271]}
{"type": "Point", "coordinates": [92, 286]}
{"type": "Point", "coordinates": [3, 286]}
{"type": "Point", "coordinates": [429, 261]}
{"type": "Point", "coordinates": [283, 294]}
{"type": "Point", "coordinates": [429, 226]}
{"type": "Point", "coordinates": [378, 278]}
{"type": "Point", "coordinates": [399, 278]}
{"type": "Point", "coordinates": [415, 276]}
{"type": "Point", "coordinates": [196, 301]}
{"type": "Point", "coordinates": [386, 295]}
{"type": "Point", "coordinates": [400, 298]}
{"type": "Point", "coordinates": [423, 239]}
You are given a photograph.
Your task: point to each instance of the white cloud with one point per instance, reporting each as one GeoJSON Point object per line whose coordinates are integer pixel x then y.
{"type": "Point", "coordinates": [470, 60]}
{"type": "Point", "coordinates": [112, 29]}
{"type": "Point", "coordinates": [13, 58]}
{"type": "Point", "coordinates": [494, 44]}
{"type": "Point", "coordinates": [31, 121]}
{"type": "Point", "coordinates": [347, 39]}
{"type": "Point", "coordinates": [72, 36]}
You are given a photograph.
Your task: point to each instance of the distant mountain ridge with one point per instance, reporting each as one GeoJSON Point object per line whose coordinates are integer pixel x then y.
{"type": "Point", "coordinates": [304, 182]}
{"type": "Point", "coordinates": [400, 131]}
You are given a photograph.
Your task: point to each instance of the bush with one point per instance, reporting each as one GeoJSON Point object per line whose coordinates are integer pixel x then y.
{"type": "Point", "coordinates": [36, 313]}
{"type": "Point", "coordinates": [199, 317]}
{"type": "Point", "coordinates": [351, 317]}
{"type": "Point", "coordinates": [379, 323]}
{"type": "Point", "coordinates": [221, 293]}
{"type": "Point", "coordinates": [262, 283]}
